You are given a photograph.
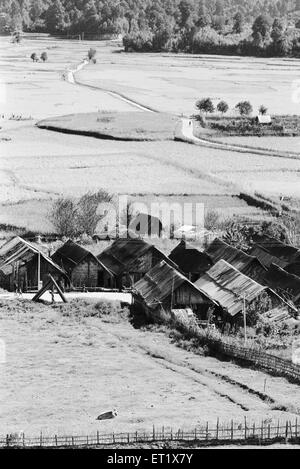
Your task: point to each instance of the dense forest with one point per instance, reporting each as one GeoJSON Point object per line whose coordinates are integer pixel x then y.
{"type": "Point", "coordinates": [246, 27]}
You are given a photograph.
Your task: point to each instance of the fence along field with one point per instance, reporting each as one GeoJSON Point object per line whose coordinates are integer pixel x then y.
{"type": "Point", "coordinates": [220, 434]}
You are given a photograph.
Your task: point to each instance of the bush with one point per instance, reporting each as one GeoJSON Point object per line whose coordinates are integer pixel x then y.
{"type": "Point", "coordinates": [44, 56]}
{"type": "Point", "coordinates": [34, 57]}
{"type": "Point", "coordinates": [91, 54]}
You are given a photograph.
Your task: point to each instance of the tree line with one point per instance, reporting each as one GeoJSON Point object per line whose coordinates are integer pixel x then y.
{"type": "Point", "coordinates": [245, 27]}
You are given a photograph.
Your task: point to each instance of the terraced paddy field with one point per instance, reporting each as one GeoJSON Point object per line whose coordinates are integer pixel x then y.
{"type": "Point", "coordinates": [37, 166]}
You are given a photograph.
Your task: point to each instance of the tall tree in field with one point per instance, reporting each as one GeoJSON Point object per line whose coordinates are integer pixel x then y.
{"type": "Point", "coordinates": [238, 24]}
{"type": "Point", "coordinates": [262, 26]}
{"type": "Point", "coordinates": [55, 17]}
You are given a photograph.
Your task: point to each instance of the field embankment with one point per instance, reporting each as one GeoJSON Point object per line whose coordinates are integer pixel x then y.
{"type": "Point", "coordinates": [133, 126]}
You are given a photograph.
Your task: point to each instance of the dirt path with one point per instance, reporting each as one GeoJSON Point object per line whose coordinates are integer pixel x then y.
{"type": "Point", "coordinates": [188, 132]}
{"type": "Point", "coordinates": [249, 390]}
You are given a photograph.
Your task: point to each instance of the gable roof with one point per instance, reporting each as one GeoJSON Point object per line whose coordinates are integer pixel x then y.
{"type": "Point", "coordinates": [123, 252]}
{"type": "Point", "coordinates": [271, 251]}
{"type": "Point", "coordinates": [293, 268]}
{"type": "Point", "coordinates": [228, 286]}
{"type": "Point", "coordinates": [190, 259]}
{"type": "Point", "coordinates": [20, 250]}
{"type": "Point", "coordinates": [248, 265]}
{"type": "Point", "coordinates": [280, 280]}
{"type": "Point", "coordinates": [71, 254]}
{"type": "Point", "coordinates": [159, 283]}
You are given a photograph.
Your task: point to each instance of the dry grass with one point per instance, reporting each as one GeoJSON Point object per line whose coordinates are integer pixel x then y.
{"type": "Point", "coordinates": [65, 365]}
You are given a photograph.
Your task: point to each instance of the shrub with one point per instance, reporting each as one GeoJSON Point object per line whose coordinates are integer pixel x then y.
{"type": "Point", "coordinates": [34, 57]}
{"type": "Point", "coordinates": [263, 110]}
{"type": "Point", "coordinates": [92, 53]}
{"type": "Point", "coordinates": [44, 56]}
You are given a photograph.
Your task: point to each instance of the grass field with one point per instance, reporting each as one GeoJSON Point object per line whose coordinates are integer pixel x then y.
{"type": "Point", "coordinates": [140, 126]}
{"type": "Point", "coordinates": [63, 369]}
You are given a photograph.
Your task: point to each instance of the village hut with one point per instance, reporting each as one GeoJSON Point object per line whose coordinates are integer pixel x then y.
{"type": "Point", "coordinates": [191, 261]}
{"type": "Point", "coordinates": [130, 259]}
{"type": "Point", "coordinates": [163, 291]}
{"type": "Point", "coordinates": [83, 268]}
{"type": "Point", "coordinates": [271, 251]}
{"type": "Point", "coordinates": [25, 266]}
{"type": "Point", "coordinates": [247, 265]}
{"type": "Point", "coordinates": [263, 119]}
{"type": "Point", "coordinates": [285, 284]}
{"type": "Point", "coordinates": [233, 290]}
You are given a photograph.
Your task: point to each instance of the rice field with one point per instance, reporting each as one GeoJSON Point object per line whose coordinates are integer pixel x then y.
{"type": "Point", "coordinates": [283, 144]}
{"type": "Point", "coordinates": [37, 166]}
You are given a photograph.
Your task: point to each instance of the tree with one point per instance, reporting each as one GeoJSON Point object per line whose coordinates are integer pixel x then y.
{"type": "Point", "coordinates": [44, 56]}
{"type": "Point", "coordinates": [263, 110]}
{"type": "Point", "coordinates": [55, 17]}
{"type": "Point", "coordinates": [88, 214]}
{"type": "Point", "coordinates": [244, 108]}
{"type": "Point", "coordinates": [205, 105]}
{"type": "Point", "coordinates": [222, 107]}
{"type": "Point", "coordinates": [238, 23]}
{"type": "Point", "coordinates": [63, 216]}
{"type": "Point", "coordinates": [261, 25]}
{"type": "Point", "coordinates": [34, 57]}
{"type": "Point", "coordinates": [212, 220]}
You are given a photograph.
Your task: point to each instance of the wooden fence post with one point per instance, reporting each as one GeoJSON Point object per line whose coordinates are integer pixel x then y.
{"type": "Point", "coordinates": [7, 440]}
{"type": "Point", "coordinates": [245, 428]}
{"type": "Point", "coordinates": [296, 428]}
{"type": "Point", "coordinates": [98, 437]}
{"type": "Point", "coordinates": [41, 439]}
{"type": "Point", "coordinates": [55, 438]}
{"type": "Point", "coordinates": [231, 429]}
{"type": "Point", "coordinates": [206, 431]}
{"type": "Point", "coordinates": [217, 434]}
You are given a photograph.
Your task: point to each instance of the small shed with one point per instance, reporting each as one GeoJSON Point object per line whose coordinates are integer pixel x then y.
{"type": "Point", "coordinates": [284, 283]}
{"type": "Point", "coordinates": [263, 119]}
{"type": "Point", "coordinates": [192, 261]}
{"type": "Point", "coordinates": [231, 289]}
{"type": "Point", "coordinates": [164, 290]}
{"type": "Point", "coordinates": [271, 251]}
{"type": "Point", "coordinates": [26, 266]}
{"type": "Point", "coordinates": [130, 259]}
{"type": "Point", "coordinates": [247, 265]}
{"type": "Point", "coordinates": [82, 267]}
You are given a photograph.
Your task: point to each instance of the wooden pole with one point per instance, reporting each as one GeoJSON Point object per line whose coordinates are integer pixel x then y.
{"type": "Point", "coordinates": [39, 271]}
{"type": "Point", "coordinates": [245, 319]}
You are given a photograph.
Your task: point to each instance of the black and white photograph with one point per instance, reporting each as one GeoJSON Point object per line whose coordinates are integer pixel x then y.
{"type": "Point", "coordinates": [149, 227]}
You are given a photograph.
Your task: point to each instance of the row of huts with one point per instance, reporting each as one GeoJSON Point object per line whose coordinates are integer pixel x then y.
{"type": "Point", "coordinates": [220, 280]}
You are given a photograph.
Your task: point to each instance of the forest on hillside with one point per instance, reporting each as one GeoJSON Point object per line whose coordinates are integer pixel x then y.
{"type": "Point", "coordinates": [245, 27]}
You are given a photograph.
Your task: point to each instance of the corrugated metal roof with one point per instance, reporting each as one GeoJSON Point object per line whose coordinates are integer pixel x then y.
{"type": "Point", "coordinates": [189, 259]}
{"type": "Point", "coordinates": [271, 251]}
{"type": "Point", "coordinates": [160, 282]}
{"type": "Point", "coordinates": [123, 252]}
{"type": "Point", "coordinates": [71, 254]}
{"type": "Point", "coordinates": [282, 281]}
{"type": "Point", "coordinates": [18, 249]}
{"type": "Point", "coordinates": [228, 286]}
{"type": "Point", "coordinates": [248, 265]}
